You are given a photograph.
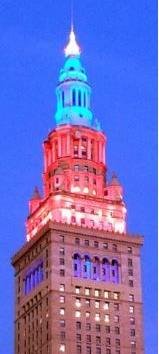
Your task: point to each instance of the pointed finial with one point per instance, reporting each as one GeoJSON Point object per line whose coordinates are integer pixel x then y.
{"type": "Point", "coordinates": [72, 47]}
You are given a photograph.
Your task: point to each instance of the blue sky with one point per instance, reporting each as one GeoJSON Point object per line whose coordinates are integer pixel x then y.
{"type": "Point", "coordinates": [118, 40]}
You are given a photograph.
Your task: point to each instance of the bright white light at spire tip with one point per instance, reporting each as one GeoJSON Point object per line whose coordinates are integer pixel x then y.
{"type": "Point", "coordinates": [72, 47]}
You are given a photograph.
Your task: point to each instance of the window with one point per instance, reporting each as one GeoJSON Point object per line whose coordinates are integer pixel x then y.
{"type": "Point", "coordinates": [62, 239]}
{"type": "Point", "coordinates": [130, 262]}
{"type": "Point", "coordinates": [62, 261]}
{"type": "Point", "coordinates": [131, 284]}
{"type": "Point", "coordinates": [86, 168]}
{"type": "Point", "coordinates": [116, 318]}
{"type": "Point", "coordinates": [108, 351]}
{"type": "Point", "coordinates": [114, 247]}
{"type": "Point", "coordinates": [131, 297]}
{"type": "Point", "coordinates": [97, 317]}
{"type": "Point", "coordinates": [98, 327]}
{"type": "Point", "coordinates": [78, 325]}
{"type": "Point", "coordinates": [62, 287]}
{"type": "Point", "coordinates": [86, 242]}
{"type": "Point", "coordinates": [77, 314]}
{"type": "Point", "coordinates": [132, 332]}
{"type": "Point", "coordinates": [129, 250]}
{"type": "Point", "coordinates": [63, 98]}
{"type": "Point", "coordinates": [77, 289]}
{"type": "Point", "coordinates": [96, 244]}
{"type": "Point", "coordinates": [96, 292]}
{"type": "Point", "coordinates": [88, 338]}
{"type": "Point", "coordinates": [77, 241]}
{"type": "Point", "coordinates": [88, 326]}
{"type": "Point", "coordinates": [94, 181]}
{"type": "Point", "coordinates": [62, 299]}
{"type": "Point", "coordinates": [73, 219]}
{"type": "Point", "coordinates": [116, 307]}
{"type": "Point", "coordinates": [62, 311]}
{"type": "Point", "coordinates": [132, 320]}
{"type": "Point", "coordinates": [86, 178]}
{"type": "Point", "coordinates": [116, 296]}
{"type": "Point", "coordinates": [76, 168]}
{"type": "Point", "coordinates": [106, 294]}
{"type": "Point", "coordinates": [79, 98]}
{"type": "Point", "coordinates": [62, 323]}
{"type": "Point", "coordinates": [131, 309]}
{"type": "Point", "coordinates": [87, 291]}
{"type": "Point", "coordinates": [88, 350]}
{"type": "Point", "coordinates": [76, 178]}
{"type": "Point", "coordinates": [82, 221]}
{"type": "Point", "coordinates": [79, 350]}
{"type": "Point", "coordinates": [117, 342]}
{"type": "Point", "coordinates": [88, 302]}
{"type": "Point", "coordinates": [87, 314]}
{"type": "Point", "coordinates": [106, 306]}
{"type": "Point", "coordinates": [62, 348]}
{"type": "Point", "coordinates": [98, 340]}
{"type": "Point", "coordinates": [98, 350]}
{"type": "Point", "coordinates": [107, 329]}
{"type": "Point", "coordinates": [117, 330]}
{"type": "Point", "coordinates": [105, 245]}
{"type": "Point", "coordinates": [62, 335]}
{"type": "Point", "coordinates": [130, 272]}
{"type": "Point", "coordinates": [78, 337]}
{"type": "Point", "coordinates": [94, 171]}
{"type": "Point", "coordinates": [62, 251]}
{"type": "Point", "coordinates": [106, 318]}
{"type": "Point", "coordinates": [62, 272]}
{"type": "Point", "coordinates": [108, 340]}
{"type": "Point", "coordinates": [78, 302]}
{"type": "Point", "coordinates": [133, 344]}
{"type": "Point", "coordinates": [97, 304]}
{"type": "Point", "coordinates": [73, 97]}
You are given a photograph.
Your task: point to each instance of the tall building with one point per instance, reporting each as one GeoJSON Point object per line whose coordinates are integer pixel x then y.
{"type": "Point", "coordinates": [77, 277]}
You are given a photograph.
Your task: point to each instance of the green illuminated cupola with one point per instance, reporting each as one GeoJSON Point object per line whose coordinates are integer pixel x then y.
{"type": "Point", "coordinates": [73, 91]}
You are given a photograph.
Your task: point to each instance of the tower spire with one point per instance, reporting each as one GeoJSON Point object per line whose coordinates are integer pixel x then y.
{"type": "Point", "coordinates": [72, 48]}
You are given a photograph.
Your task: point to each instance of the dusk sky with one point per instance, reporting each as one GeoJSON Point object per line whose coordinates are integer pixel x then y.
{"type": "Point", "coordinates": [118, 42]}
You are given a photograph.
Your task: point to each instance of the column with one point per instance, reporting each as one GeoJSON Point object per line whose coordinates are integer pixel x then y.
{"type": "Point", "coordinates": [68, 144]}
{"type": "Point", "coordinates": [59, 146]}
{"type": "Point", "coordinates": [89, 149]}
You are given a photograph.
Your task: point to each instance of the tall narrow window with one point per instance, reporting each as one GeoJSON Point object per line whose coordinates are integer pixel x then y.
{"type": "Point", "coordinates": [105, 270]}
{"type": "Point", "coordinates": [84, 99]}
{"type": "Point", "coordinates": [74, 97]}
{"type": "Point", "coordinates": [79, 98]}
{"type": "Point", "coordinates": [63, 99]}
{"type": "Point", "coordinates": [115, 271]}
{"type": "Point", "coordinates": [77, 265]}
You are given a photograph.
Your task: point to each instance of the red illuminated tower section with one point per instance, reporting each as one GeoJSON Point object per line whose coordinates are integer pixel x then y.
{"type": "Point", "coordinates": [75, 187]}
{"type": "Point", "coordinates": [77, 277]}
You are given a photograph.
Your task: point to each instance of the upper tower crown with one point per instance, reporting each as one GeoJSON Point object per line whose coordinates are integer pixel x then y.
{"type": "Point", "coordinates": [73, 91]}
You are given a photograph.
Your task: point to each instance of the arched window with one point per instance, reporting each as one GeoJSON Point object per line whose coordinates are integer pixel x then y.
{"type": "Point", "coordinates": [79, 98]}
{"type": "Point", "coordinates": [63, 99]}
{"type": "Point", "coordinates": [84, 99]}
{"type": "Point", "coordinates": [77, 265]}
{"type": "Point", "coordinates": [96, 268]}
{"type": "Point", "coordinates": [73, 97]}
{"type": "Point", "coordinates": [115, 271]}
{"type": "Point", "coordinates": [87, 267]}
{"type": "Point", "coordinates": [105, 270]}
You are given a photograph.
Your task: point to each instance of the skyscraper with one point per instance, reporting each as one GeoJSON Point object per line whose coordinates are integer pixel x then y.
{"type": "Point", "coordinates": [77, 277]}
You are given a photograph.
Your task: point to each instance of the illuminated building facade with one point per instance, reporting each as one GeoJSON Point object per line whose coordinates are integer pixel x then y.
{"type": "Point", "coordinates": [77, 278]}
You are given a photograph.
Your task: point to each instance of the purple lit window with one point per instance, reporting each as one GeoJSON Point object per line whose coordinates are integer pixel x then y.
{"type": "Point", "coordinates": [96, 268]}
{"type": "Point", "coordinates": [87, 267]}
{"type": "Point", "coordinates": [33, 278]}
{"type": "Point", "coordinates": [115, 271]}
{"type": "Point", "coordinates": [77, 265]}
{"type": "Point", "coordinates": [105, 270]}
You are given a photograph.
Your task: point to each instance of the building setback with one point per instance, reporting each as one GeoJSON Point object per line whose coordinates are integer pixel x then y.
{"type": "Point", "coordinates": [77, 277]}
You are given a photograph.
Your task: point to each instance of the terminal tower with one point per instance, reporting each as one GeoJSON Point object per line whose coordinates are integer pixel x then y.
{"type": "Point", "coordinates": [77, 277]}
